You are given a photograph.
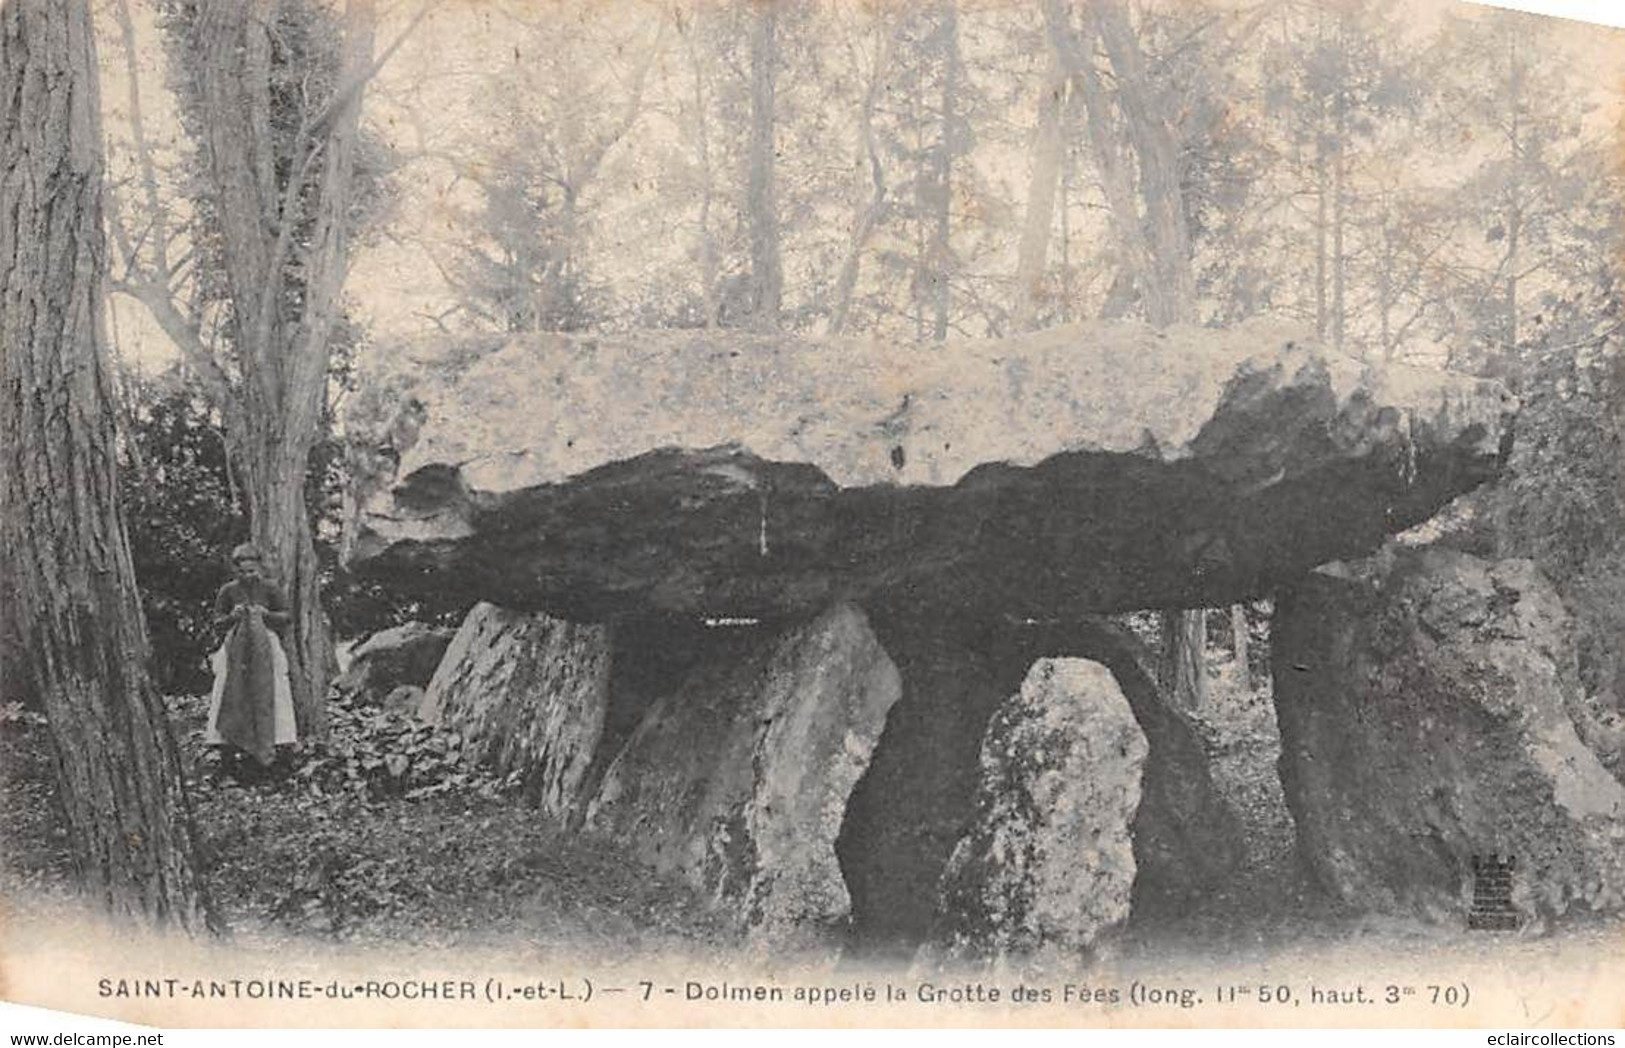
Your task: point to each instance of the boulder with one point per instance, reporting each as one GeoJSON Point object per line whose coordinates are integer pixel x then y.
{"type": "Point", "coordinates": [1423, 701]}
{"type": "Point", "coordinates": [529, 694]}
{"type": "Point", "coordinates": [1048, 866]}
{"type": "Point", "coordinates": [1080, 469]}
{"type": "Point", "coordinates": [406, 699]}
{"type": "Point", "coordinates": [400, 656]}
{"type": "Point", "coordinates": [919, 797]}
{"type": "Point", "coordinates": [738, 778]}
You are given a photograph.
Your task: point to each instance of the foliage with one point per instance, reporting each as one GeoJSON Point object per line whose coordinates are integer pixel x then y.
{"type": "Point", "coordinates": [375, 753]}
{"type": "Point", "coordinates": [1563, 502]}
{"type": "Point", "coordinates": [355, 845]}
{"type": "Point", "coordinates": [183, 513]}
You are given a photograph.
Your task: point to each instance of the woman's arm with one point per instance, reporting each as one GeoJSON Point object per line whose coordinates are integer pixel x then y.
{"type": "Point", "coordinates": [275, 608]}
{"type": "Point", "coordinates": [226, 607]}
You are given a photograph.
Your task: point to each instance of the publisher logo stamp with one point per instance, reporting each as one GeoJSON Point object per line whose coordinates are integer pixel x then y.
{"type": "Point", "coordinates": [1492, 908]}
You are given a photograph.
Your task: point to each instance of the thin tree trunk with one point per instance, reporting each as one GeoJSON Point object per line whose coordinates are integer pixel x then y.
{"type": "Point", "coordinates": [1068, 281]}
{"type": "Point", "coordinates": [761, 204]}
{"type": "Point", "coordinates": [1385, 283]}
{"type": "Point", "coordinates": [941, 241]}
{"type": "Point", "coordinates": [1171, 294]}
{"type": "Point", "coordinates": [1048, 146]}
{"type": "Point", "coordinates": [1512, 372]}
{"type": "Point", "coordinates": [1184, 675]}
{"type": "Point", "coordinates": [1239, 642]}
{"type": "Point", "coordinates": [1321, 223]}
{"type": "Point", "coordinates": [702, 149]}
{"type": "Point", "coordinates": [68, 580]}
{"type": "Point", "coordinates": [1115, 180]}
{"type": "Point", "coordinates": [869, 211]}
{"type": "Point", "coordinates": [1339, 211]}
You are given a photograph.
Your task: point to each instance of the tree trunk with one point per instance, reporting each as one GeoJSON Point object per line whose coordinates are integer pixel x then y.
{"type": "Point", "coordinates": [1339, 213]}
{"type": "Point", "coordinates": [1239, 642]}
{"type": "Point", "coordinates": [279, 526]}
{"type": "Point", "coordinates": [702, 154]}
{"type": "Point", "coordinates": [1116, 181]}
{"type": "Point", "coordinates": [68, 579]}
{"type": "Point", "coordinates": [761, 205]}
{"type": "Point", "coordinates": [1033, 250]}
{"type": "Point", "coordinates": [277, 228]}
{"type": "Point", "coordinates": [1321, 223]}
{"type": "Point", "coordinates": [1512, 372]}
{"type": "Point", "coordinates": [1184, 674]}
{"type": "Point", "coordinates": [1171, 293]}
{"type": "Point", "coordinates": [941, 240]}
{"type": "Point", "coordinates": [868, 214]}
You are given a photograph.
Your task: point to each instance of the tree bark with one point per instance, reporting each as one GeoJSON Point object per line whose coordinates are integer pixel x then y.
{"type": "Point", "coordinates": [68, 579]}
{"type": "Point", "coordinates": [1239, 642]}
{"type": "Point", "coordinates": [873, 205]}
{"type": "Point", "coordinates": [1048, 148]}
{"type": "Point", "coordinates": [1184, 673]}
{"type": "Point", "coordinates": [1340, 129]}
{"type": "Point", "coordinates": [1512, 371]}
{"type": "Point", "coordinates": [761, 204]}
{"type": "Point", "coordinates": [1171, 290]}
{"type": "Point", "coordinates": [275, 253]}
{"type": "Point", "coordinates": [702, 154]}
{"type": "Point", "coordinates": [1116, 180]}
{"type": "Point", "coordinates": [941, 240]}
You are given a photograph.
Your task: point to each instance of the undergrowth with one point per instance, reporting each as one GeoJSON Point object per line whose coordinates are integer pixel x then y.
{"type": "Point", "coordinates": [385, 834]}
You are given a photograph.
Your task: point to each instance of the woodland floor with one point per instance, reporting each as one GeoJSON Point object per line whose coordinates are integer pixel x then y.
{"type": "Point", "coordinates": [324, 854]}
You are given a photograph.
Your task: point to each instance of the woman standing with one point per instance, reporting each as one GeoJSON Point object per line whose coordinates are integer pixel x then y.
{"type": "Point", "coordinates": [251, 706]}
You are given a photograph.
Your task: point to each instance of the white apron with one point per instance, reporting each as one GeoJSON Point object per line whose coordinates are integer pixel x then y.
{"type": "Point", "coordinates": [283, 727]}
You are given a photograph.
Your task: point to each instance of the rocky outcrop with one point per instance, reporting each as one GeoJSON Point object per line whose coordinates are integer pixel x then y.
{"type": "Point", "coordinates": [1048, 866]}
{"type": "Point", "coordinates": [530, 695]}
{"type": "Point", "coordinates": [401, 656]}
{"type": "Point", "coordinates": [1079, 469]}
{"type": "Point", "coordinates": [738, 778]}
{"type": "Point", "coordinates": [1422, 698]}
{"type": "Point", "coordinates": [919, 797]}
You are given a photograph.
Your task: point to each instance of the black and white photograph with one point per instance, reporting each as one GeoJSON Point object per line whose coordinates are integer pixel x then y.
{"type": "Point", "coordinates": [686, 513]}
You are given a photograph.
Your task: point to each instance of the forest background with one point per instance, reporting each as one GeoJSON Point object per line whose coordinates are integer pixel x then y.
{"type": "Point", "coordinates": [1436, 187]}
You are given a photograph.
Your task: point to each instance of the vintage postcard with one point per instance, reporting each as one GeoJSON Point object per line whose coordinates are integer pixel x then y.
{"type": "Point", "coordinates": [561, 513]}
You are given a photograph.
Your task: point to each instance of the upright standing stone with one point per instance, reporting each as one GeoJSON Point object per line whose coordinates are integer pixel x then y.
{"type": "Point", "coordinates": [918, 799]}
{"type": "Point", "coordinates": [529, 694]}
{"type": "Point", "coordinates": [1049, 864]}
{"type": "Point", "coordinates": [738, 779]}
{"type": "Point", "coordinates": [1423, 703]}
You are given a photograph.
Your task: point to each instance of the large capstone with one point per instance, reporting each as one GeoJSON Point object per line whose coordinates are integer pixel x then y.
{"type": "Point", "coordinates": [738, 777]}
{"type": "Point", "coordinates": [1424, 700]}
{"type": "Point", "coordinates": [530, 695]}
{"type": "Point", "coordinates": [1048, 866]}
{"type": "Point", "coordinates": [1079, 469]}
